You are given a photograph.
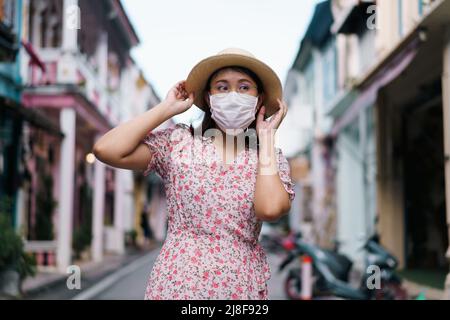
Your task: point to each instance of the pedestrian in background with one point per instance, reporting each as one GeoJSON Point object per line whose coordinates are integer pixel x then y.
{"type": "Point", "coordinates": [146, 228]}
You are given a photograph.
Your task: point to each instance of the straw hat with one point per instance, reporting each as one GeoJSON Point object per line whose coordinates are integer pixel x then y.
{"type": "Point", "coordinates": [199, 75]}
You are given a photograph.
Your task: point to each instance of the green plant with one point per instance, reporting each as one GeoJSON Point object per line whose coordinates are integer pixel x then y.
{"type": "Point", "coordinates": [44, 209]}
{"type": "Point", "coordinates": [82, 236]}
{"type": "Point", "coordinates": [12, 251]}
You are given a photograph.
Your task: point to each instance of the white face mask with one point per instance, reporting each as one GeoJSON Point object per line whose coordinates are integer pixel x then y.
{"type": "Point", "coordinates": [233, 111]}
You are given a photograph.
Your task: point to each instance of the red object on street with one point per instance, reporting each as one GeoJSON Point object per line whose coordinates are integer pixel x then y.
{"type": "Point", "coordinates": [288, 244]}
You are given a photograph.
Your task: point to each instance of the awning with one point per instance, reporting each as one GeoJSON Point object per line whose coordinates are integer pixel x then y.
{"type": "Point", "coordinates": [32, 116]}
{"type": "Point", "coordinates": [385, 72]}
{"type": "Point", "coordinates": [8, 45]}
{"type": "Point", "coordinates": [353, 18]}
{"type": "Point", "coordinates": [317, 34]}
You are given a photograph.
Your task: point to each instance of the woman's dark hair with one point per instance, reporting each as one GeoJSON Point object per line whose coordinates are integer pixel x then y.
{"type": "Point", "coordinates": [208, 122]}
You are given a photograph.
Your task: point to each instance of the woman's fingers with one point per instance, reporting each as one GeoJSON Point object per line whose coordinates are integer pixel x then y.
{"type": "Point", "coordinates": [276, 119]}
{"type": "Point", "coordinates": [179, 90]}
{"type": "Point", "coordinates": [283, 108]}
{"type": "Point", "coordinates": [277, 114]}
{"type": "Point", "coordinates": [190, 100]}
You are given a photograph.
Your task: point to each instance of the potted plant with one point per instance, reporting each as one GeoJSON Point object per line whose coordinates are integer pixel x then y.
{"type": "Point", "coordinates": [15, 263]}
{"type": "Point", "coordinates": [82, 236]}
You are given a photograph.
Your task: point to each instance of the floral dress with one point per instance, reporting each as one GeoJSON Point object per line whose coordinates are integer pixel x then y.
{"type": "Point", "coordinates": [211, 250]}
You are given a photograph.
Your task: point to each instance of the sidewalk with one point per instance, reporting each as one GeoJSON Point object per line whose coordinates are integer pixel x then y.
{"type": "Point", "coordinates": [45, 281]}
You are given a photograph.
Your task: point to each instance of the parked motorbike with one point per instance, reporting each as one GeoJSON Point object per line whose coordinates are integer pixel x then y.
{"type": "Point", "coordinates": [271, 240]}
{"type": "Point", "coordinates": [331, 272]}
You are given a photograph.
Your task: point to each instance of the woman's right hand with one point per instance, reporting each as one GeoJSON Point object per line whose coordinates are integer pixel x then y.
{"type": "Point", "coordinates": [177, 100]}
{"type": "Point", "coordinates": [122, 146]}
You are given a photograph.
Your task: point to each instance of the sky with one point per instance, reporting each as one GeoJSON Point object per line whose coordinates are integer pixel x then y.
{"type": "Point", "coordinates": [175, 35]}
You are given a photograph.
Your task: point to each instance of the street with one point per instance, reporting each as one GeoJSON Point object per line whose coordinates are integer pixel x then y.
{"type": "Point", "coordinates": [115, 278]}
{"type": "Point", "coordinates": [128, 282]}
{"type": "Point", "coordinates": [132, 285]}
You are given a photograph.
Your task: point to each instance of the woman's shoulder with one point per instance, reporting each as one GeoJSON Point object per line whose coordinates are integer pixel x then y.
{"type": "Point", "coordinates": [173, 130]}
{"type": "Point", "coordinates": [170, 134]}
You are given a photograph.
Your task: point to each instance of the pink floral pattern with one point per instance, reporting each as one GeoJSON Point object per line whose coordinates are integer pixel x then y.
{"type": "Point", "coordinates": [211, 250]}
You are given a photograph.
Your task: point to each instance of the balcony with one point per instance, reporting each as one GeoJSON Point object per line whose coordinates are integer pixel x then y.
{"type": "Point", "coordinates": [59, 72]}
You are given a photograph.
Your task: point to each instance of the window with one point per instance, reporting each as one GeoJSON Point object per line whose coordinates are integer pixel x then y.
{"type": "Point", "coordinates": [50, 28]}
{"type": "Point", "coordinates": [307, 92]}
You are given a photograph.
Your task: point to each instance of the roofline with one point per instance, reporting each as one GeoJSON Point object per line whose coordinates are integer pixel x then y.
{"type": "Point", "coordinates": [126, 23]}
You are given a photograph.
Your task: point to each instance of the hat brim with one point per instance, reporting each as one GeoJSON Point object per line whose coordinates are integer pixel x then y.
{"type": "Point", "coordinates": [199, 75]}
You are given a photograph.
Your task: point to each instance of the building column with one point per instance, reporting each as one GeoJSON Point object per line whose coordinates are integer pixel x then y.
{"type": "Point", "coordinates": [98, 210]}
{"type": "Point", "coordinates": [71, 25]}
{"type": "Point", "coordinates": [67, 176]}
{"type": "Point", "coordinates": [118, 211]}
{"type": "Point", "coordinates": [446, 118]}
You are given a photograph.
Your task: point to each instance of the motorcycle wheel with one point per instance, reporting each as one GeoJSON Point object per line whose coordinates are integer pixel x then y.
{"type": "Point", "coordinates": [391, 291]}
{"type": "Point", "coordinates": [293, 285]}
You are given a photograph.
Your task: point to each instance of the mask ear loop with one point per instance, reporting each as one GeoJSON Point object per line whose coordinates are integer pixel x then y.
{"type": "Point", "coordinates": [256, 113]}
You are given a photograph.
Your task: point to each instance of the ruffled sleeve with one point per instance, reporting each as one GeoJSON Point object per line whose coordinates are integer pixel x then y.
{"type": "Point", "coordinates": [161, 143]}
{"type": "Point", "coordinates": [285, 173]}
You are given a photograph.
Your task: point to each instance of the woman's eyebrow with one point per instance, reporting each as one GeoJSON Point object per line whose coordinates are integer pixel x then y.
{"type": "Point", "coordinates": [246, 80]}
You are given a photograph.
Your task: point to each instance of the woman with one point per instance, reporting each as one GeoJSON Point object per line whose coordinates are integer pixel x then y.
{"type": "Point", "coordinates": [220, 187]}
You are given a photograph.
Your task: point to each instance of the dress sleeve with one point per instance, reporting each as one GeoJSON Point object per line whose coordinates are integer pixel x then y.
{"type": "Point", "coordinates": [285, 173]}
{"type": "Point", "coordinates": [161, 143]}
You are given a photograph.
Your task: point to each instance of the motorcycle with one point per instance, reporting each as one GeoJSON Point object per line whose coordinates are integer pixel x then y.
{"type": "Point", "coordinates": [331, 271]}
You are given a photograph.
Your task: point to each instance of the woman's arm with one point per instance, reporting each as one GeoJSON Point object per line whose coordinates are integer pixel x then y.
{"type": "Point", "coordinates": [121, 147]}
{"type": "Point", "coordinates": [271, 200]}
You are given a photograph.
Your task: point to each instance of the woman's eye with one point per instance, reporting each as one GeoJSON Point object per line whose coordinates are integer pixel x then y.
{"type": "Point", "coordinates": [222, 88]}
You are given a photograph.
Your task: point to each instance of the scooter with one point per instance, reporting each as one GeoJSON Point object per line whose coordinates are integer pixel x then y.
{"type": "Point", "coordinates": [331, 272]}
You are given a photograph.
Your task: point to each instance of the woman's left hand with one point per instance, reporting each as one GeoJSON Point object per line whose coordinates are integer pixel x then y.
{"type": "Point", "coordinates": [274, 121]}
